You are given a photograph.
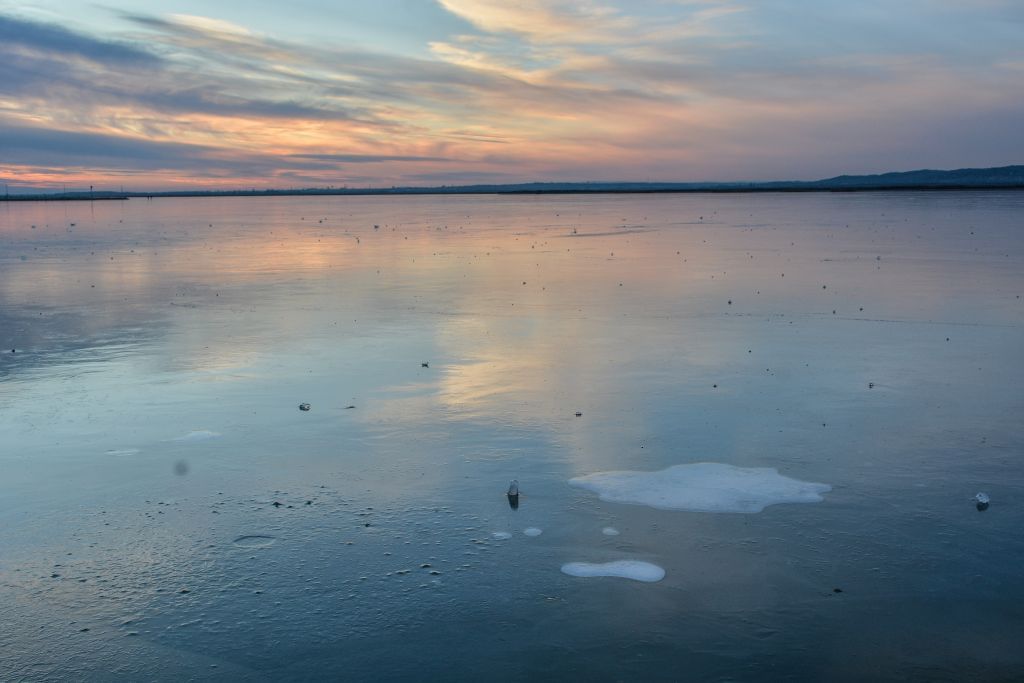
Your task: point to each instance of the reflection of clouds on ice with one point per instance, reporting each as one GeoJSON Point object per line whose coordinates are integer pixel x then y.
{"type": "Point", "coordinates": [624, 569]}
{"type": "Point", "coordinates": [201, 435]}
{"type": "Point", "coordinates": [533, 531]}
{"type": "Point", "coordinates": [703, 487]}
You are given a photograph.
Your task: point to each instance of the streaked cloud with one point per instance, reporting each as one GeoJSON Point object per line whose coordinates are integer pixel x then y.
{"type": "Point", "coordinates": [534, 90]}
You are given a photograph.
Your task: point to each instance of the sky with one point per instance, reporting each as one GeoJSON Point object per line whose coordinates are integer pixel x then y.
{"type": "Point", "coordinates": [153, 95]}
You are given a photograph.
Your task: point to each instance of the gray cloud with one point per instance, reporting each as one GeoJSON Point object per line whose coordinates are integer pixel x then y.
{"type": "Point", "coordinates": [56, 40]}
{"type": "Point", "coordinates": [361, 158]}
{"type": "Point", "coordinates": [30, 146]}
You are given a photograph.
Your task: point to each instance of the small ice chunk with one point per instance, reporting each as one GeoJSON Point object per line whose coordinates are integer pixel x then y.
{"type": "Point", "coordinates": [501, 535]}
{"type": "Point", "coordinates": [533, 531]}
{"type": "Point", "coordinates": [625, 569]}
{"type": "Point", "coordinates": [201, 435]}
{"type": "Point", "coordinates": [610, 531]}
{"type": "Point", "coordinates": [981, 501]}
{"type": "Point", "coordinates": [702, 487]}
{"type": "Point", "coordinates": [124, 452]}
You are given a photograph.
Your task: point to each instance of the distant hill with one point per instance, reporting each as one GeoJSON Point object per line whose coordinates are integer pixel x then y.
{"type": "Point", "coordinates": [1005, 177]}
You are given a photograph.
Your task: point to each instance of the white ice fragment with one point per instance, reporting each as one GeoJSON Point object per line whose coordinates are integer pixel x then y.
{"type": "Point", "coordinates": [533, 531]}
{"type": "Point", "coordinates": [501, 535]}
{"type": "Point", "coordinates": [982, 498]}
{"type": "Point", "coordinates": [201, 435]}
{"type": "Point", "coordinates": [610, 531]}
{"type": "Point", "coordinates": [123, 452]}
{"type": "Point", "coordinates": [625, 569]}
{"type": "Point", "coordinates": [702, 487]}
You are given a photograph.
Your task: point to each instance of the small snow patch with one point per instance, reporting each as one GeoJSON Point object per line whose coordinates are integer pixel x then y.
{"type": "Point", "coordinates": [702, 487]}
{"type": "Point", "coordinates": [623, 569]}
{"type": "Point", "coordinates": [610, 531]}
{"type": "Point", "coordinates": [533, 531]}
{"type": "Point", "coordinates": [501, 535]}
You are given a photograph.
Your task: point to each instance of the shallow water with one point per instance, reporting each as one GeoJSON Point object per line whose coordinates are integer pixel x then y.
{"type": "Point", "coordinates": [168, 512]}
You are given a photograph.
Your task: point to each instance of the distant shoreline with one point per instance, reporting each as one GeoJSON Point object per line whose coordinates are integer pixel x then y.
{"type": "Point", "coordinates": [408, 192]}
{"type": "Point", "coordinates": [97, 197]}
{"type": "Point", "coordinates": [971, 179]}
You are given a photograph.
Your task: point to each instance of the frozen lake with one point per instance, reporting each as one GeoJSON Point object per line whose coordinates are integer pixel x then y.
{"type": "Point", "coordinates": [168, 512]}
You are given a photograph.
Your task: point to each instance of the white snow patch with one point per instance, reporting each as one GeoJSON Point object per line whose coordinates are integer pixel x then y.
{"type": "Point", "coordinates": [501, 535]}
{"type": "Point", "coordinates": [702, 487]}
{"type": "Point", "coordinates": [625, 569]}
{"type": "Point", "coordinates": [533, 531]}
{"type": "Point", "coordinates": [124, 452]}
{"type": "Point", "coordinates": [201, 435]}
{"type": "Point", "coordinates": [610, 531]}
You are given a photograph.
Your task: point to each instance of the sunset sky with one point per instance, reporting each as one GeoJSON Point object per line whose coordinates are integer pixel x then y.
{"type": "Point", "coordinates": [161, 95]}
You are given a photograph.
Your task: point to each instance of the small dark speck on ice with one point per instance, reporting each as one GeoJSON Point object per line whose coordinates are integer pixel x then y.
{"type": "Point", "coordinates": [424, 365]}
{"type": "Point", "coordinates": [304, 407]}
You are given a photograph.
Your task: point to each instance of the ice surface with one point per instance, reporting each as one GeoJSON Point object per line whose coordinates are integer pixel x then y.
{"type": "Point", "coordinates": [610, 531]}
{"type": "Point", "coordinates": [702, 487]}
{"type": "Point", "coordinates": [533, 531]}
{"type": "Point", "coordinates": [254, 541]}
{"type": "Point", "coordinates": [625, 569]}
{"type": "Point", "coordinates": [280, 311]}
{"type": "Point", "coordinates": [201, 435]}
{"type": "Point", "coordinates": [501, 535]}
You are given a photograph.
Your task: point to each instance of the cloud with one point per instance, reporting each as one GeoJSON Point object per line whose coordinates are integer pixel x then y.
{"type": "Point", "coordinates": [553, 20]}
{"type": "Point", "coordinates": [27, 145]}
{"type": "Point", "coordinates": [363, 158]}
{"type": "Point", "coordinates": [55, 40]}
{"type": "Point", "coordinates": [602, 89]}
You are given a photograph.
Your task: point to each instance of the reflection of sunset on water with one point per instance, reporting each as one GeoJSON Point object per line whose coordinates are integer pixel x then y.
{"type": "Point", "coordinates": [158, 353]}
